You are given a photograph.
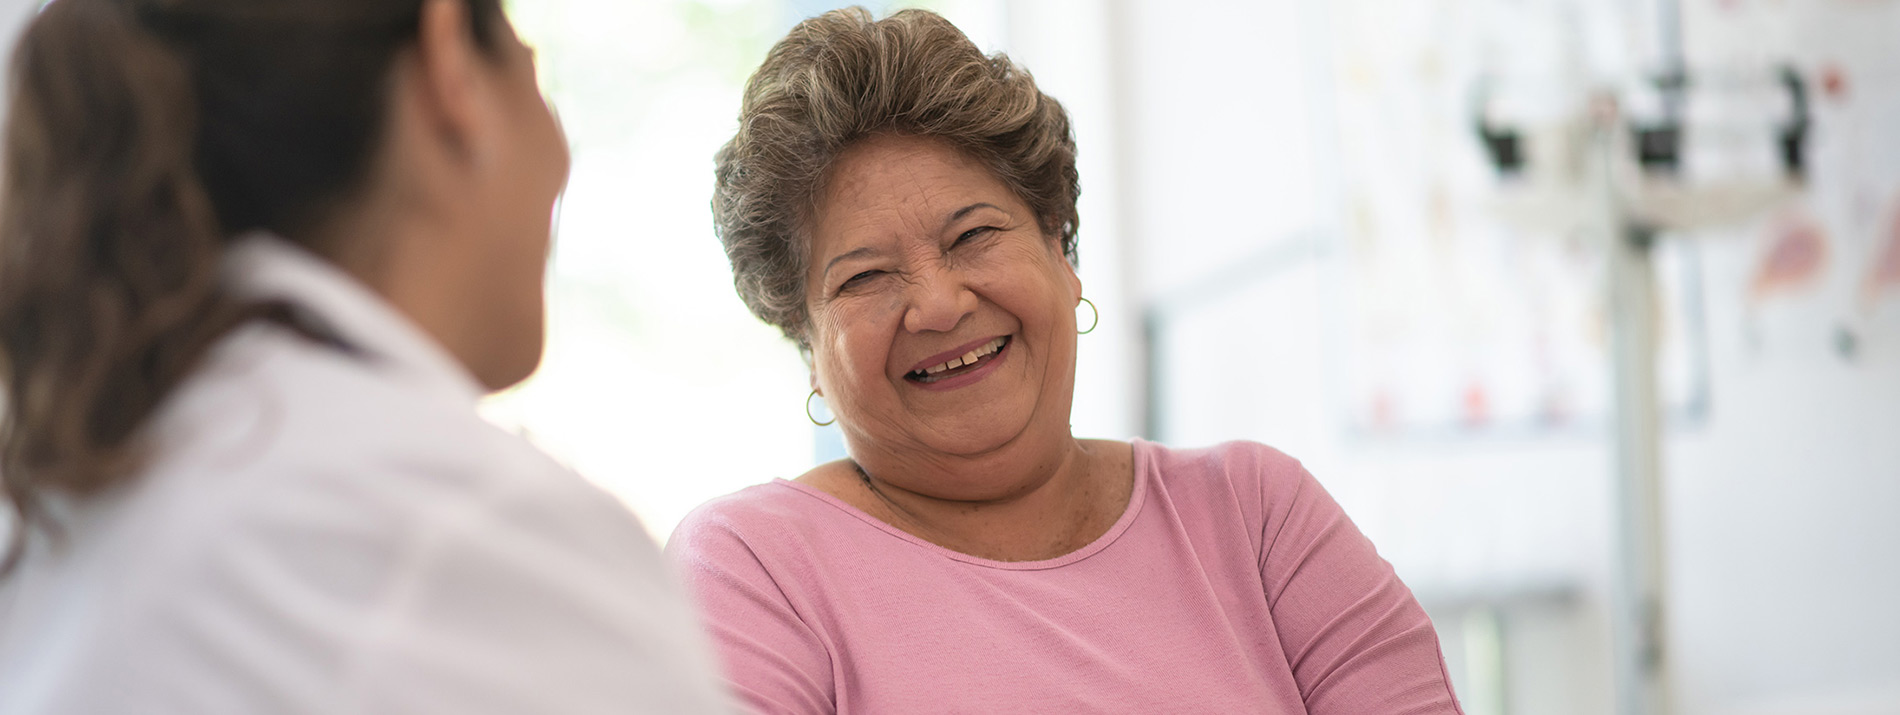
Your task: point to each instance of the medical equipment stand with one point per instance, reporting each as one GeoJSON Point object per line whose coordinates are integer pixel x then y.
{"type": "Point", "coordinates": [1637, 598]}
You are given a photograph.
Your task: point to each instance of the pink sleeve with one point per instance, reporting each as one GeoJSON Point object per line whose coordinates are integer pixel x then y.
{"type": "Point", "coordinates": [1357, 640]}
{"type": "Point", "coordinates": [773, 661]}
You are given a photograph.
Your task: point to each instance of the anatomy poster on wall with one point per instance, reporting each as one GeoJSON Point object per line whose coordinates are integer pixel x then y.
{"type": "Point", "coordinates": [1457, 321]}
{"type": "Point", "coordinates": [1823, 280]}
{"type": "Point", "coordinates": [1468, 308]}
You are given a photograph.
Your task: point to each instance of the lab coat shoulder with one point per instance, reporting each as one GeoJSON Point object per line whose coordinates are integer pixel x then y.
{"type": "Point", "coordinates": [336, 536]}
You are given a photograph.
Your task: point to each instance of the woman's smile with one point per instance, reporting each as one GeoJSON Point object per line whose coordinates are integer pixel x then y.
{"type": "Point", "coordinates": [964, 366]}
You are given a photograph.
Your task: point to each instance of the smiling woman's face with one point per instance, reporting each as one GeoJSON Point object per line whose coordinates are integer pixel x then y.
{"type": "Point", "coordinates": [942, 318]}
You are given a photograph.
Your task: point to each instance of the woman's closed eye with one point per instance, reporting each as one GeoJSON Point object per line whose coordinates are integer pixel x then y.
{"type": "Point", "coordinates": [973, 234]}
{"type": "Point", "coordinates": [859, 279]}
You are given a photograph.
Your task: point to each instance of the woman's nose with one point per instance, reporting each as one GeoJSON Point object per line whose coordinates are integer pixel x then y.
{"type": "Point", "coordinates": [938, 300]}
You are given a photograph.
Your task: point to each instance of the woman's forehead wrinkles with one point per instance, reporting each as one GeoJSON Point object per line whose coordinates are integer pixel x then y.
{"type": "Point", "coordinates": [872, 210]}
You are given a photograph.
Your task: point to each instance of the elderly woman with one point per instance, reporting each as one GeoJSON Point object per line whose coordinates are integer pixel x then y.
{"type": "Point", "coordinates": [903, 207]}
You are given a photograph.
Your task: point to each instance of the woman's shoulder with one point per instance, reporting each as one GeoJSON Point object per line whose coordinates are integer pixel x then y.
{"type": "Point", "coordinates": [282, 439]}
{"type": "Point", "coordinates": [1239, 463]}
{"type": "Point", "coordinates": [360, 500]}
{"type": "Point", "coordinates": [757, 517]}
{"type": "Point", "coordinates": [270, 398]}
{"type": "Point", "coordinates": [1241, 479]}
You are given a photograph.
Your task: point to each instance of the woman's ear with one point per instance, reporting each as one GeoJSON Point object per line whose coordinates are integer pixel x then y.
{"type": "Point", "coordinates": [448, 76]}
{"type": "Point", "coordinates": [811, 363]}
{"type": "Point", "coordinates": [1075, 280]}
{"type": "Point", "coordinates": [1055, 250]}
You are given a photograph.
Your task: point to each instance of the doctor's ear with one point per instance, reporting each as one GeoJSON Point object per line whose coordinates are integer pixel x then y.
{"type": "Point", "coordinates": [450, 78]}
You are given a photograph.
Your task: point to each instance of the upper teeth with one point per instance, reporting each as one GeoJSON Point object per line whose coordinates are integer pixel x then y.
{"type": "Point", "coordinates": [967, 358]}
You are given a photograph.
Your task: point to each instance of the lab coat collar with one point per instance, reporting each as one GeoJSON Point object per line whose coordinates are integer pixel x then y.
{"type": "Point", "coordinates": [260, 266]}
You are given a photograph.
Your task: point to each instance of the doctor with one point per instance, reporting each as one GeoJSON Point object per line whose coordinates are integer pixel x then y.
{"type": "Point", "coordinates": [258, 260]}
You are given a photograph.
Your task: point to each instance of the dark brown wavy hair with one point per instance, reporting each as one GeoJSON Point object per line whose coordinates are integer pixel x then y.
{"type": "Point", "coordinates": [842, 76]}
{"type": "Point", "coordinates": [142, 135]}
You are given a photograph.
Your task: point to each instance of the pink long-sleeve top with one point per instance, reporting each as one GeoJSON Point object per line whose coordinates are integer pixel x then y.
{"type": "Point", "coordinates": [1231, 584]}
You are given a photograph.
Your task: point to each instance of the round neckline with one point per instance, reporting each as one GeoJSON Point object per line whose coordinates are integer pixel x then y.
{"type": "Point", "coordinates": [1137, 497]}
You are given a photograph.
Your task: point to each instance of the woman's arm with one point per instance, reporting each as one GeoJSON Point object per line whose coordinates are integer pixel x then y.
{"type": "Point", "coordinates": [774, 662]}
{"type": "Point", "coordinates": [1358, 642]}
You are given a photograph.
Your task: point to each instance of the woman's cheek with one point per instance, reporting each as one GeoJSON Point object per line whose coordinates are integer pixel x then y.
{"type": "Point", "coordinates": [859, 325]}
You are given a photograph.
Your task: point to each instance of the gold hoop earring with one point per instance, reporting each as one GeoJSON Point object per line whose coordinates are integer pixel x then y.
{"type": "Point", "coordinates": [814, 420]}
{"type": "Point", "coordinates": [1097, 321]}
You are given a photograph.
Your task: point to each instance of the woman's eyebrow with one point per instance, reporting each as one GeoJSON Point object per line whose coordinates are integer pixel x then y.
{"type": "Point", "coordinates": [854, 253]}
{"type": "Point", "coordinates": [967, 210]}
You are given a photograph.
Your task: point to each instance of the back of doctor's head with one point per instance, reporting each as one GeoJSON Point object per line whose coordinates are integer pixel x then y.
{"type": "Point", "coordinates": [142, 136]}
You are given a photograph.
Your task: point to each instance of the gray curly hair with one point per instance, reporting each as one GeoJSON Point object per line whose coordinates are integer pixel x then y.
{"type": "Point", "coordinates": [842, 76]}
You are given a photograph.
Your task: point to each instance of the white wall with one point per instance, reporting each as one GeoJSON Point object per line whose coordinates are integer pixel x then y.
{"type": "Point", "coordinates": [1783, 502]}
{"type": "Point", "coordinates": [1785, 524]}
{"type": "Point", "coordinates": [1786, 509]}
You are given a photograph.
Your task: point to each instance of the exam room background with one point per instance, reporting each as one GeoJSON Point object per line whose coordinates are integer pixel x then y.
{"type": "Point", "coordinates": [1286, 225]}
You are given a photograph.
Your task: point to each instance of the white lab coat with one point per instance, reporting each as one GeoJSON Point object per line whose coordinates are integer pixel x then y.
{"type": "Point", "coordinates": [320, 532]}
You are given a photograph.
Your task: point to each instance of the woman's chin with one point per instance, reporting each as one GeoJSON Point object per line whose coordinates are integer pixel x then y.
{"type": "Point", "coordinates": [978, 431]}
{"type": "Point", "coordinates": [975, 443]}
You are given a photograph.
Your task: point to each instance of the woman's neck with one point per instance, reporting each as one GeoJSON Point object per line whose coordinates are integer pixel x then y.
{"type": "Point", "coordinates": [1069, 499]}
